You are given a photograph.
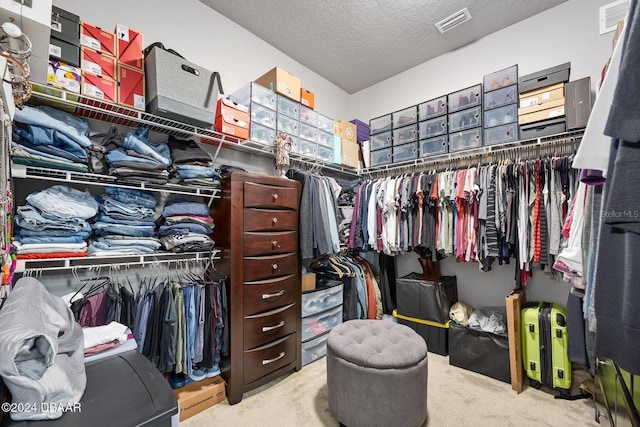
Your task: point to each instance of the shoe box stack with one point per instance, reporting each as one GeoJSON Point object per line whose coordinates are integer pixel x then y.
{"type": "Point", "coordinates": [130, 67]}
{"type": "Point", "coordinates": [380, 142]}
{"type": "Point", "coordinates": [64, 51]}
{"type": "Point", "coordinates": [404, 134]}
{"type": "Point", "coordinates": [501, 106]}
{"type": "Point", "coordinates": [542, 102]}
{"type": "Point", "coordinates": [232, 118]}
{"type": "Point", "coordinates": [432, 127]}
{"type": "Point", "coordinates": [261, 103]}
{"type": "Point", "coordinates": [465, 118]}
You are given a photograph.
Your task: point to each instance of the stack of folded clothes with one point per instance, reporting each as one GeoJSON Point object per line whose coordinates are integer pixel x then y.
{"type": "Point", "coordinates": [191, 165]}
{"type": "Point", "coordinates": [125, 224]}
{"type": "Point", "coordinates": [53, 223]}
{"type": "Point", "coordinates": [185, 226]}
{"type": "Point", "coordinates": [137, 159]}
{"type": "Point", "coordinates": [46, 137]}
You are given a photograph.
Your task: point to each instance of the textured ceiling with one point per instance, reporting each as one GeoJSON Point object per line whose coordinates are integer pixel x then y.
{"type": "Point", "coordinates": [358, 43]}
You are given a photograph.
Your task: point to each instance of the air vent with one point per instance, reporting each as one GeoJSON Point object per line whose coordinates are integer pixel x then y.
{"type": "Point", "coordinates": [450, 22]}
{"type": "Point", "coordinates": [611, 14]}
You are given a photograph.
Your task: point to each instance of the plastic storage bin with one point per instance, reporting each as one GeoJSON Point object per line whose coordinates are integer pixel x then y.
{"type": "Point", "coordinates": [325, 153]}
{"type": "Point", "coordinates": [253, 92]}
{"type": "Point", "coordinates": [320, 323]}
{"type": "Point", "coordinates": [501, 116]}
{"type": "Point", "coordinates": [465, 140]}
{"type": "Point", "coordinates": [405, 117]}
{"type": "Point", "coordinates": [262, 134]}
{"type": "Point", "coordinates": [465, 98]}
{"type": "Point", "coordinates": [314, 349]}
{"type": "Point", "coordinates": [405, 152]}
{"type": "Point", "coordinates": [288, 106]}
{"type": "Point", "coordinates": [307, 148]}
{"type": "Point", "coordinates": [465, 119]}
{"type": "Point", "coordinates": [501, 78]}
{"type": "Point", "coordinates": [433, 146]}
{"type": "Point", "coordinates": [308, 116]}
{"type": "Point", "coordinates": [287, 124]}
{"type": "Point", "coordinates": [381, 157]}
{"type": "Point", "coordinates": [432, 108]}
{"type": "Point", "coordinates": [322, 299]}
{"type": "Point", "coordinates": [325, 138]}
{"type": "Point", "coordinates": [380, 140]}
{"type": "Point", "coordinates": [500, 97]}
{"type": "Point", "coordinates": [501, 134]}
{"type": "Point", "coordinates": [325, 123]}
{"type": "Point", "coordinates": [433, 127]}
{"type": "Point", "coordinates": [405, 135]}
{"type": "Point", "coordinates": [308, 132]}
{"type": "Point", "coordinates": [263, 115]}
{"type": "Point", "coordinates": [380, 124]}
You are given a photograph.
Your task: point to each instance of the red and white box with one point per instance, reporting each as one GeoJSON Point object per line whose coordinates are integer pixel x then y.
{"type": "Point", "coordinates": [103, 88]}
{"type": "Point", "coordinates": [98, 39]}
{"type": "Point", "coordinates": [131, 87]}
{"type": "Point", "coordinates": [130, 47]}
{"type": "Point", "coordinates": [97, 63]}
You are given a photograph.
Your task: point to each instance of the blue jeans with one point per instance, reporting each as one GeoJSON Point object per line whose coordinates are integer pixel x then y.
{"type": "Point", "coordinates": [49, 151]}
{"type": "Point", "coordinates": [117, 209]}
{"type": "Point", "coordinates": [48, 117]}
{"type": "Point", "coordinates": [195, 171]}
{"type": "Point", "coordinates": [138, 141]}
{"type": "Point", "coordinates": [185, 208]}
{"type": "Point", "coordinates": [102, 228]}
{"type": "Point", "coordinates": [122, 241]}
{"type": "Point", "coordinates": [30, 218]}
{"type": "Point", "coordinates": [190, 326]}
{"type": "Point", "coordinates": [183, 228]}
{"type": "Point", "coordinates": [133, 197]}
{"type": "Point", "coordinates": [141, 327]}
{"type": "Point", "coordinates": [120, 155]}
{"type": "Point", "coordinates": [129, 222]}
{"type": "Point", "coordinates": [104, 246]}
{"type": "Point", "coordinates": [25, 240]}
{"type": "Point", "coordinates": [64, 202]}
{"type": "Point", "coordinates": [24, 232]}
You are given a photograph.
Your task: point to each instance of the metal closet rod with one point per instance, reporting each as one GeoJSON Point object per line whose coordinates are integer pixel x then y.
{"type": "Point", "coordinates": [544, 148]}
{"type": "Point", "coordinates": [118, 267]}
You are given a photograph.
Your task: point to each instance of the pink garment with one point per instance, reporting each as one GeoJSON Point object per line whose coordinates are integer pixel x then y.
{"type": "Point", "coordinates": [101, 347]}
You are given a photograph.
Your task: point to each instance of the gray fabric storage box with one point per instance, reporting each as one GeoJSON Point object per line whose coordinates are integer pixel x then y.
{"type": "Point", "coordinates": [180, 90]}
{"type": "Point", "coordinates": [426, 300]}
{"type": "Point", "coordinates": [577, 103]}
{"type": "Point", "coordinates": [542, 128]}
{"type": "Point", "coordinates": [549, 76]}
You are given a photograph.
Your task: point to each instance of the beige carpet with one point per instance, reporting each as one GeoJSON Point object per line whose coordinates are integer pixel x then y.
{"type": "Point", "coordinates": [456, 397]}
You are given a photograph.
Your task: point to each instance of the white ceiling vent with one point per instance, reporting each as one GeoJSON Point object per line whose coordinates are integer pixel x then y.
{"type": "Point", "coordinates": [450, 22]}
{"type": "Point", "coordinates": [611, 14]}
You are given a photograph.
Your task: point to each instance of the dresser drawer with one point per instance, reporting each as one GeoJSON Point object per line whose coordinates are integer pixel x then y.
{"type": "Point", "coordinates": [277, 242]}
{"type": "Point", "coordinates": [269, 196]}
{"type": "Point", "coordinates": [270, 220]}
{"type": "Point", "coordinates": [259, 361]}
{"type": "Point", "coordinates": [266, 267]}
{"type": "Point", "coordinates": [263, 295]}
{"type": "Point", "coordinates": [264, 327]}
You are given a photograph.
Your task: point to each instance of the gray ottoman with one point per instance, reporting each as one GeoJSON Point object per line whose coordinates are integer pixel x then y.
{"type": "Point", "coordinates": [376, 374]}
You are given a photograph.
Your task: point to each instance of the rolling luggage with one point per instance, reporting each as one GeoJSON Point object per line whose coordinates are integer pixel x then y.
{"type": "Point", "coordinates": [545, 345]}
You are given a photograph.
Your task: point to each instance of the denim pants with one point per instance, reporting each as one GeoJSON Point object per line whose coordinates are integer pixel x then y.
{"type": "Point", "coordinates": [133, 197]}
{"type": "Point", "coordinates": [139, 142]}
{"type": "Point", "coordinates": [64, 202]}
{"type": "Point", "coordinates": [185, 208]}
{"type": "Point", "coordinates": [48, 117]}
{"type": "Point", "coordinates": [190, 321]}
{"type": "Point", "coordinates": [30, 218]}
{"type": "Point", "coordinates": [116, 209]}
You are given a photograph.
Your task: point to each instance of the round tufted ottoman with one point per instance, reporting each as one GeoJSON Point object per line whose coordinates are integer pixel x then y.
{"type": "Point", "coordinates": [376, 374]}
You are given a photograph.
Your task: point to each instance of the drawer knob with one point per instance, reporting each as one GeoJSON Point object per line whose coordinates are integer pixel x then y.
{"type": "Point", "coordinates": [271, 328]}
{"type": "Point", "coordinates": [274, 266]}
{"type": "Point", "coordinates": [275, 196]}
{"type": "Point", "coordinates": [274, 220]}
{"type": "Point", "coordinates": [275, 244]}
{"type": "Point", "coordinates": [274, 295]}
{"type": "Point", "coordinates": [275, 359]}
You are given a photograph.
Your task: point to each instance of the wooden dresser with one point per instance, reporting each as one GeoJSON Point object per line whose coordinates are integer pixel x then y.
{"type": "Point", "coordinates": [257, 233]}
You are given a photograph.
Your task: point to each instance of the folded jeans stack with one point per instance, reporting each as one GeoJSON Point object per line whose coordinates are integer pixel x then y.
{"type": "Point", "coordinates": [125, 223]}
{"type": "Point", "coordinates": [53, 223]}
{"type": "Point", "coordinates": [191, 164]}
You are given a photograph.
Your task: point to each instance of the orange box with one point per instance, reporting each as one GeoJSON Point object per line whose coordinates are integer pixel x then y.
{"type": "Point", "coordinates": [97, 63]}
{"type": "Point", "coordinates": [232, 110]}
{"type": "Point", "coordinates": [308, 281]}
{"type": "Point", "coordinates": [130, 47]}
{"type": "Point", "coordinates": [307, 98]}
{"type": "Point", "coordinates": [231, 126]}
{"type": "Point", "coordinates": [345, 129]}
{"type": "Point", "coordinates": [131, 87]}
{"type": "Point", "coordinates": [103, 88]}
{"type": "Point", "coordinates": [98, 39]}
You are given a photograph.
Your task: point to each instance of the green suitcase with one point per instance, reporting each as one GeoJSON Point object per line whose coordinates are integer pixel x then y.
{"type": "Point", "coordinates": [545, 345]}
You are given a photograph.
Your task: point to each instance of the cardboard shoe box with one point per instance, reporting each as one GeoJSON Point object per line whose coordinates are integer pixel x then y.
{"type": "Point", "coordinates": [103, 88]}
{"type": "Point", "coordinates": [130, 46]}
{"type": "Point", "coordinates": [346, 130]}
{"type": "Point", "coordinates": [98, 63]}
{"type": "Point", "coordinates": [350, 153]}
{"type": "Point", "coordinates": [63, 76]}
{"type": "Point", "coordinates": [200, 395]}
{"type": "Point", "coordinates": [308, 281]}
{"type": "Point", "coordinates": [540, 97]}
{"type": "Point", "coordinates": [552, 110]}
{"type": "Point", "coordinates": [281, 81]}
{"type": "Point", "coordinates": [98, 39]}
{"type": "Point", "coordinates": [131, 87]}
{"type": "Point", "coordinates": [307, 98]}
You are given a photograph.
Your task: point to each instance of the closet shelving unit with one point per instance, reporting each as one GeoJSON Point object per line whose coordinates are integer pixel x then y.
{"type": "Point", "coordinates": [516, 149]}
{"type": "Point", "coordinates": [96, 109]}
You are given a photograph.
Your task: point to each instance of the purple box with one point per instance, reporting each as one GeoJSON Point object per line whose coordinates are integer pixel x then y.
{"type": "Point", "coordinates": [362, 130]}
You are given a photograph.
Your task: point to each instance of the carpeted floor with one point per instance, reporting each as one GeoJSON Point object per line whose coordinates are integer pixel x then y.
{"type": "Point", "coordinates": [456, 397]}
